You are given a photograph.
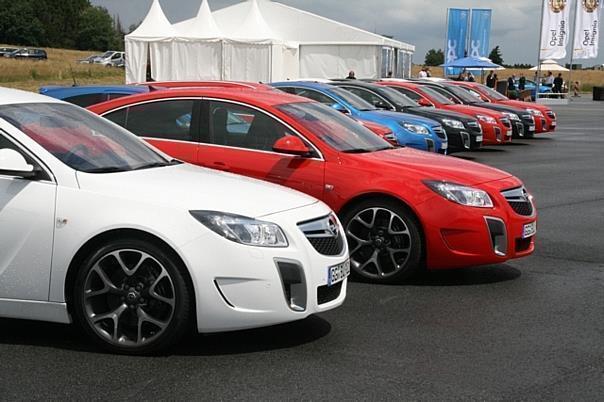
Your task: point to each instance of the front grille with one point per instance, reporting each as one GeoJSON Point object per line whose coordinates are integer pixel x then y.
{"type": "Point", "coordinates": [474, 126]}
{"type": "Point", "coordinates": [440, 132]}
{"type": "Point", "coordinates": [519, 200]}
{"type": "Point", "coordinates": [325, 293]}
{"type": "Point", "coordinates": [506, 123]}
{"type": "Point", "coordinates": [324, 235]}
{"type": "Point", "coordinates": [528, 118]}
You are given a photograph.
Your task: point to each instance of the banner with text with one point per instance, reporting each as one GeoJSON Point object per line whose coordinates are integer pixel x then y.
{"type": "Point", "coordinates": [555, 29]}
{"type": "Point", "coordinates": [457, 33]}
{"type": "Point", "coordinates": [587, 28]}
{"type": "Point", "coordinates": [480, 33]}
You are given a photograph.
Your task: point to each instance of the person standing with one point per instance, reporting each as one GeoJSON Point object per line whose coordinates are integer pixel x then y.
{"type": "Point", "coordinates": [471, 77]}
{"type": "Point", "coordinates": [512, 94]}
{"type": "Point", "coordinates": [351, 75]}
{"type": "Point", "coordinates": [549, 79]}
{"type": "Point", "coordinates": [522, 82]}
{"type": "Point", "coordinates": [491, 80]}
{"type": "Point", "coordinates": [423, 73]}
{"type": "Point", "coordinates": [558, 83]}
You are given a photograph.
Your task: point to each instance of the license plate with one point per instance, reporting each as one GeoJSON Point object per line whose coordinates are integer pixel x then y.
{"type": "Point", "coordinates": [529, 230]}
{"type": "Point", "coordinates": [338, 273]}
{"type": "Point", "coordinates": [479, 138]}
{"type": "Point", "coordinates": [531, 128]}
{"type": "Point", "coordinates": [444, 145]}
{"type": "Point", "coordinates": [509, 133]}
{"type": "Point", "coordinates": [553, 124]}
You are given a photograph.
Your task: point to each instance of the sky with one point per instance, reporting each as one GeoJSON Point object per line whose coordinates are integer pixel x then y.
{"type": "Point", "coordinates": [515, 23]}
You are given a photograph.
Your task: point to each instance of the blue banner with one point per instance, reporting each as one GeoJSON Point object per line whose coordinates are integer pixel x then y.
{"type": "Point", "coordinates": [480, 33]}
{"type": "Point", "coordinates": [457, 32]}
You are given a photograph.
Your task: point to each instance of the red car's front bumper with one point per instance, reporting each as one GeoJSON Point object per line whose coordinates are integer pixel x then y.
{"type": "Point", "coordinates": [494, 134]}
{"type": "Point", "coordinates": [459, 236]}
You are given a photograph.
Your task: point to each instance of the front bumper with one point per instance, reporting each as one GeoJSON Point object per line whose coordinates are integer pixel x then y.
{"type": "Point", "coordinates": [463, 139]}
{"type": "Point", "coordinates": [459, 236]}
{"type": "Point", "coordinates": [495, 134]}
{"type": "Point", "coordinates": [239, 287]}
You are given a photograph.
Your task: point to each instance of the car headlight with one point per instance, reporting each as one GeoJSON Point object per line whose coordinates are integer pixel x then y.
{"type": "Point", "coordinates": [535, 112]}
{"type": "Point", "coordinates": [512, 116]}
{"type": "Point", "coordinates": [415, 128]}
{"type": "Point", "coordinates": [486, 119]}
{"type": "Point", "coordinates": [241, 229]}
{"type": "Point", "coordinates": [453, 123]}
{"type": "Point", "coordinates": [464, 195]}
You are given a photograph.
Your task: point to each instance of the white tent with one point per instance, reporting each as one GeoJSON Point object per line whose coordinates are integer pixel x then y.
{"type": "Point", "coordinates": [197, 48]}
{"type": "Point", "coordinates": [327, 48]}
{"type": "Point", "coordinates": [549, 65]}
{"type": "Point", "coordinates": [152, 41]}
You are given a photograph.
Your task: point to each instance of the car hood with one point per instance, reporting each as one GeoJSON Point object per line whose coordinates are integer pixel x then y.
{"type": "Point", "coordinates": [501, 107]}
{"type": "Point", "coordinates": [411, 118]}
{"type": "Point", "coordinates": [196, 188]}
{"type": "Point", "coordinates": [430, 166]}
{"type": "Point", "coordinates": [474, 110]}
{"type": "Point", "coordinates": [524, 105]}
{"type": "Point", "coordinates": [441, 113]}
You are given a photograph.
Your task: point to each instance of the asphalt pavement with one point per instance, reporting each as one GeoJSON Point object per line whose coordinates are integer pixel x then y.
{"type": "Point", "coordinates": [530, 329]}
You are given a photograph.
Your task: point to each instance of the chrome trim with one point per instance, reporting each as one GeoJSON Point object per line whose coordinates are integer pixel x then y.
{"type": "Point", "coordinates": [494, 246]}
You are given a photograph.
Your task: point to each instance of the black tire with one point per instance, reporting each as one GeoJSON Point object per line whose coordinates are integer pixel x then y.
{"type": "Point", "coordinates": [147, 296]}
{"type": "Point", "coordinates": [378, 242]}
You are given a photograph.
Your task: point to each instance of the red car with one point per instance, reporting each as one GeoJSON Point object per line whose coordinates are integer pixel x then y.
{"type": "Point", "coordinates": [545, 118]}
{"type": "Point", "coordinates": [496, 127]}
{"type": "Point", "coordinates": [402, 208]}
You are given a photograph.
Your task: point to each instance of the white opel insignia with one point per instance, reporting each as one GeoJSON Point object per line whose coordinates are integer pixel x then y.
{"type": "Point", "coordinates": [98, 227]}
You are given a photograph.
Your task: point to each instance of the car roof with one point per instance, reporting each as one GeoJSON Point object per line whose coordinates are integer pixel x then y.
{"type": "Point", "coordinates": [63, 91]}
{"type": "Point", "coordinates": [9, 96]}
{"type": "Point", "coordinates": [303, 84]}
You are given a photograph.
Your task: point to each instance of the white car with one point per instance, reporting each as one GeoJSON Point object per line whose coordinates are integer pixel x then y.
{"type": "Point", "coordinates": [110, 58]}
{"type": "Point", "coordinates": [100, 228]}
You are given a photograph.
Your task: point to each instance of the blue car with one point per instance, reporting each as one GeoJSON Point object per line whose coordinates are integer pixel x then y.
{"type": "Point", "coordinates": [530, 85]}
{"type": "Point", "coordinates": [412, 131]}
{"type": "Point", "coordinates": [87, 95]}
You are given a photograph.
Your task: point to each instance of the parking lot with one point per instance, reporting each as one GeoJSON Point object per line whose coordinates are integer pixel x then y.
{"type": "Point", "coordinates": [528, 329]}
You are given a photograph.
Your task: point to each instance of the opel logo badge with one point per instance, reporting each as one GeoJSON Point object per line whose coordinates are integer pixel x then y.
{"type": "Point", "coordinates": [332, 227]}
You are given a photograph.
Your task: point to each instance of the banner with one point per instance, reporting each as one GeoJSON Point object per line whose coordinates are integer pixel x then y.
{"type": "Point", "coordinates": [587, 28]}
{"type": "Point", "coordinates": [480, 33]}
{"type": "Point", "coordinates": [554, 29]}
{"type": "Point", "coordinates": [457, 32]}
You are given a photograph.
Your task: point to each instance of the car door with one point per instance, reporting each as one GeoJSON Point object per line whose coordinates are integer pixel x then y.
{"type": "Point", "coordinates": [239, 139]}
{"type": "Point", "coordinates": [27, 218]}
{"type": "Point", "coordinates": [170, 125]}
{"type": "Point", "coordinates": [370, 96]}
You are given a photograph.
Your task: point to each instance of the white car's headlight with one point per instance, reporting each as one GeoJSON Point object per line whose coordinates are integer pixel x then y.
{"type": "Point", "coordinates": [453, 123]}
{"type": "Point", "coordinates": [241, 229]}
{"type": "Point", "coordinates": [486, 119]}
{"type": "Point", "coordinates": [415, 128]}
{"type": "Point", "coordinates": [535, 112]}
{"type": "Point", "coordinates": [512, 116]}
{"type": "Point", "coordinates": [464, 195]}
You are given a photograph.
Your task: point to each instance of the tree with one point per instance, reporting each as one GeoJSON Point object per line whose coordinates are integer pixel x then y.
{"type": "Point", "coordinates": [29, 32]}
{"type": "Point", "coordinates": [495, 56]}
{"type": "Point", "coordinates": [96, 30]}
{"type": "Point", "coordinates": [434, 57]}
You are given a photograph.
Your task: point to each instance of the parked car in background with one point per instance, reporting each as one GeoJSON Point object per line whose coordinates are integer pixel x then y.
{"type": "Point", "coordinates": [496, 127]}
{"type": "Point", "coordinates": [110, 57]}
{"type": "Point", "coordinates": [412, 131]}
{"type": "Point", "coordinates": [463, 131]}
{"type": "Point", "coordinates": [531, 86]}
{"type": "Point", "coordinates": [27, 53]}
{"type": "Point", "coordinates": [523, 123]}
{"type": "Point", "coordinates": [87, 95]}
{"type": "Point", "coordinates": [402, 209]}
{"type": "Point", "coordinates": [545, 117]}
{"type": "Point", "coordinates": [135, 247]}
{"type": "Point", "coordinates": [6, 50]}
{"type": "Point", "coordinates": [90, 59]}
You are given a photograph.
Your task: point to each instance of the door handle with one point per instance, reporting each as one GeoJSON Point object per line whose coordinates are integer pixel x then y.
{"type": "Point", "coordinates": [221, 166]}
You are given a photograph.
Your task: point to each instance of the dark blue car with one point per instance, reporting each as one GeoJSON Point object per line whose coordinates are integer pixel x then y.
{"type": "Point", "coordinates": [88, 95]}
{"type": "Point", "coordinates": [413, 131]}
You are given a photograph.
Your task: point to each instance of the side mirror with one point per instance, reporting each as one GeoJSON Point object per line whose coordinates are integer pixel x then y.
{"type": "Point", "coordinates": [12, 163]}
{"type": "Point", "coordinates": [291, 145]}
{"type": "Point", "coordinates": [382, 105]}
{"type": "Point", "coordinates": [424, 102]}
{"type": "Point", "coordinates": [340, 108]}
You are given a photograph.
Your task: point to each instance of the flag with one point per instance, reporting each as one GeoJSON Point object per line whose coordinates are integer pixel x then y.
{"type": "Point", "coordinates": [554, 29]}
{"type": "Point", "coordinates": [480, 33]}
{"type": "Point", "coordinates": [457, 32]}
{"type": "Point", "coordinates": [587, 29]}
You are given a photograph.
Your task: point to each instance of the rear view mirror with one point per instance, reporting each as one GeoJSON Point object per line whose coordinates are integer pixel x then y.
{"type": "Point", "coordinates": [340, 108]}
{"type": "Point", "coordinates": [424, 102]}
{"type": "Point", "coordinates": [382, 105]}
{"type": "Point", "coordinates": [291, 145]}
{"type": "Point", "coordinates": [12, 163]}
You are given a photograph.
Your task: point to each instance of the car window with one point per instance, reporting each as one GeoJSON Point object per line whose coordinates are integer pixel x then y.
{"type": "Point", "coordinates": [315, 95]}
{"type": "Point", "coordinates": [86, 100]}
{"type": "Point", "coordinates": [431, 93]}
{"type": "Point", "coordinates": [446, 94]}
{"type": "Point", "coordinates": [413, 95]}
{"type": "Point", "coordinates": [366, 95]}
{"type": "Point", "coordinates": [115, 95]}
{"type": "Point", "coordinates": [5, 143]}
{"type": "Point", "coordinates": [170, 119]}
{"type": "Point", "coordinates": [243, 127]}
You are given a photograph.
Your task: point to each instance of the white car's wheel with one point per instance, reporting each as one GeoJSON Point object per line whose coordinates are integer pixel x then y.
{"type": "Point", "coordinates": [131, 297]}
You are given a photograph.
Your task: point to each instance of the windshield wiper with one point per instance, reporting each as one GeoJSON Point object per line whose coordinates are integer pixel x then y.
{"type": "Point", "coordinates": [108, 169]}
{"type": "Point", "coordinates": [158, 164]}
{"type": "Point", "coordinates": [357, 151]}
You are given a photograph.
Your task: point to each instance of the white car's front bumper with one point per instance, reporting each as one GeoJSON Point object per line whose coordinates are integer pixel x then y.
{"type": "Point", "coordinates": [238, 286]}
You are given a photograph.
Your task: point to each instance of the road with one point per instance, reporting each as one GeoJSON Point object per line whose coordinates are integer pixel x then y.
{"type": "Point", "coordinates": [528, 329]}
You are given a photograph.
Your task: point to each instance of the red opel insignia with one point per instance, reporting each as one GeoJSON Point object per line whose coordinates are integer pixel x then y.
{"type": "Point", "coordinates": [545, 118]}
{"type": "Point", "coordinates": [496, 127]}
{"type": "Point", "coordinates": [402, 209]}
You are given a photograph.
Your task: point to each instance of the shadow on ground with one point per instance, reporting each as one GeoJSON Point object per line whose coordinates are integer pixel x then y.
{"type": "Point", "coordinates": [482, 275]}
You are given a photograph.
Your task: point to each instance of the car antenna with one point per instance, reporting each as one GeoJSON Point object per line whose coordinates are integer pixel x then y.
{"type": "Point", "coordinates": [75, 83]}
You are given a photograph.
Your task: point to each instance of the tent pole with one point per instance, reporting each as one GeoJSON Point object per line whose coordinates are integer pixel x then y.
{"type": "Point", "coordinates": [572, 51]}
{"type": "Point", "coordinates": [445, 48]}
{"type": "Point", "coordinates": [538, 81]}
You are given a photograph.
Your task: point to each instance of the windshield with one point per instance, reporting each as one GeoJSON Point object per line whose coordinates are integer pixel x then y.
{"type": "Point", "coordinates": [435, 95]}
{"type": "Point", "coordinates": [335, 129]}
{"type": "Point", "coordinates": [81, 140]}
{"type": "Point", "coordinates": [397, 97]}
{"type": "Point", "coordinates": [106, 54]}
{"type": "Point", "coordinates": [462, 94]}
{"type": "Point", "coordinates": [492, 93]}
{"type": "Point", "coordinates": [353, 100]}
